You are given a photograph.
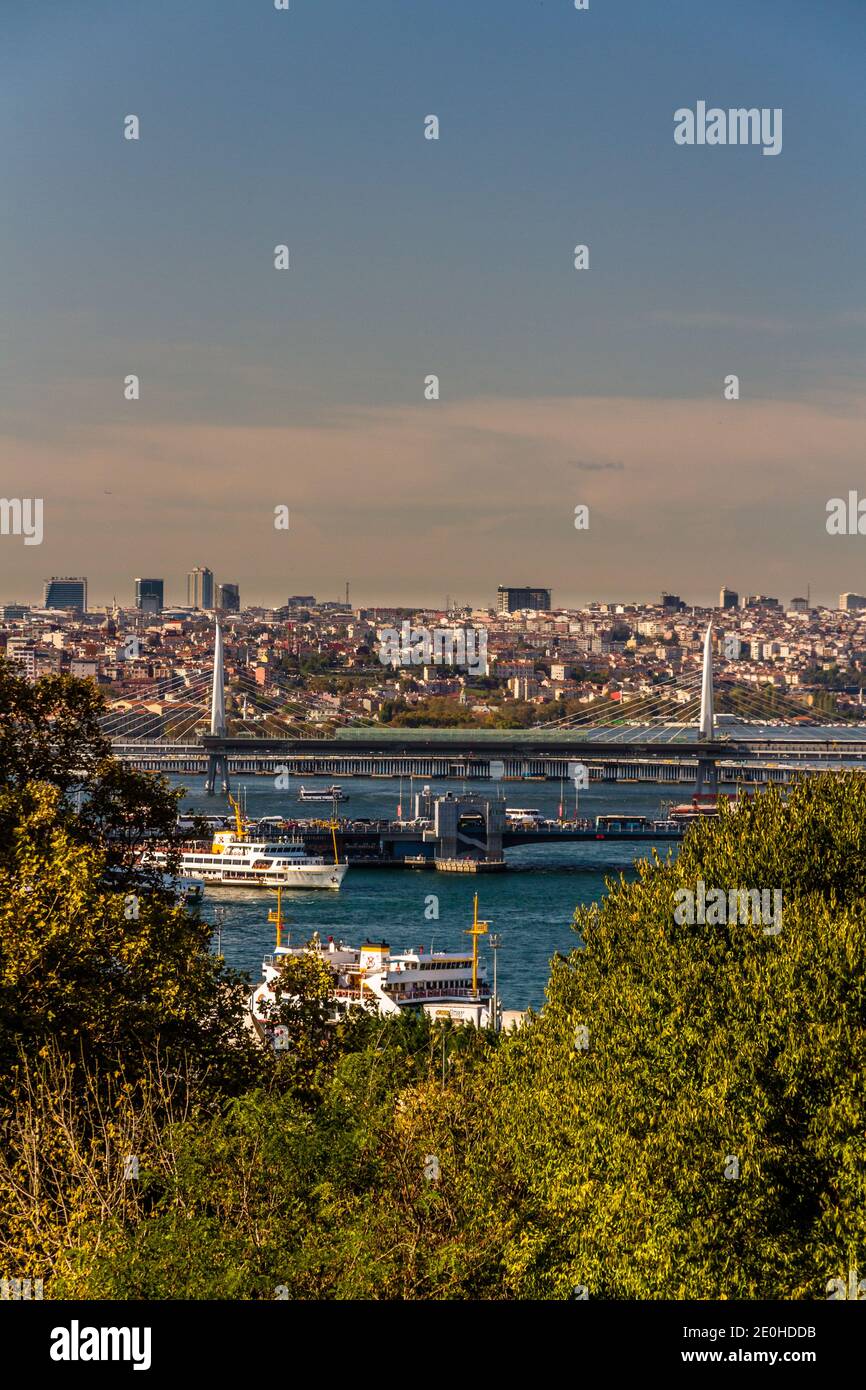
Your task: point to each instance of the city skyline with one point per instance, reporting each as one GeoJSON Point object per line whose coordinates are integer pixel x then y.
{"type": "Point", "coordinates": [726, 598]}
{"type": "Point", "coordinates": [558, 388]}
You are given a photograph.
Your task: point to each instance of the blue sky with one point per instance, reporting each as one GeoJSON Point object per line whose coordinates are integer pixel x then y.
{"type": "Point", "coordinates": [412, 256]}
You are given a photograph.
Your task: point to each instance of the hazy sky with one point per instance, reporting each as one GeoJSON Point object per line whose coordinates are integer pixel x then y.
{"type": "Point", "coordinates": [410, 256]}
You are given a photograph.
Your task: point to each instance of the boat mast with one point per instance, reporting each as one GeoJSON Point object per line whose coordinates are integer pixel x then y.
{"type": "Point", "coordinates": [277, 916]}
{"type": "Point", "coordinates": [477, 929]}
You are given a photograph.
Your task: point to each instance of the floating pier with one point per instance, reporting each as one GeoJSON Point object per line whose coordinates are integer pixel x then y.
{"type": "Point", "coordinates": [469, 866]}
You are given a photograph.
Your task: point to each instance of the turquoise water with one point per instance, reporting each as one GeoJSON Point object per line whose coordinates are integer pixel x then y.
{"type": "Point", "coordinates": [530, 906]}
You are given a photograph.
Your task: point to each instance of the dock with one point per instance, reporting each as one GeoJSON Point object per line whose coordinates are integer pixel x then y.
{"type": "Point", "coordinates": [469, 866]}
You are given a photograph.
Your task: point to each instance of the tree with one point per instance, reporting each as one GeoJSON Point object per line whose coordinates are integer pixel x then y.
{"type": "Point", "coordinates": [101, 972]}
{"type": "Point", "coordinates": [687, 1114]}
{"type": "Point", "coordinates": [50, 730]}
{"type": "Point", "coordinates": [50, 733]}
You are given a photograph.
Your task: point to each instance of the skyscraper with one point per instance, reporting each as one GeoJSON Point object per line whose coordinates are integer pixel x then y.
{"type": "Point", "coordinates": [728, 598]}
{"type": "Point", "coordinates": [199, 587]}
{"type": "Point", "coordinates": [66, 591]}
{"type": "Point", "coordinates": [149, 595]}
{"type": "Point", "coordinates": [229, 598]}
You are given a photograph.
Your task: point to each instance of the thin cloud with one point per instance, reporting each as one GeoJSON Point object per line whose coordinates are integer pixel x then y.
{"type": "Point", "coordinates": [718, 318]}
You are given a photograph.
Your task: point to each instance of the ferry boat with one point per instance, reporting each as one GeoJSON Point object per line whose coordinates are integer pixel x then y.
{"type": "Point", "coordinates": [237, 861]}
{"type": "Point", "coordinates": [332, 793]}
{"type": "Point", "coordinates": [443, 985]}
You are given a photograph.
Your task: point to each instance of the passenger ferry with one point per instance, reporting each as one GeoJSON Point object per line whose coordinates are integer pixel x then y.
{"type": "Point", "coordinates": [528, 816]}
{"type": "Point", "coordinates": [443, 985]}
{"type": "Point", "coordinates": [237, 861]}
{"type": "Point", "coordinates": [332, 793]}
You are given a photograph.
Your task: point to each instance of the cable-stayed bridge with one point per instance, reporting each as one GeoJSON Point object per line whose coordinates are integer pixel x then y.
{"type": "Point", "coordinates": [203, 722]}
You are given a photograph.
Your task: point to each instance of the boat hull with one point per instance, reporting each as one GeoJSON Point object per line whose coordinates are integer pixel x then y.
{"type": "Point", "coordinates": [319, 876]}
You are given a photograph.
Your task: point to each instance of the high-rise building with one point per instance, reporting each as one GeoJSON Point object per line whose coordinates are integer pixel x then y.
{"type": "Point", "coordinates": [66, 591]}
{"type": "Point", "coordinates": [510, 600]}
{"type": "Point", "coordinates": [728, 598]}
{"type": "Point", "coordinates": [199, 588]}
{"type": "Point", "coordinates": [149, 595]}
{"type": "Point", "coordinates": [851, 603]}
{"type": "Point", "coordinates": [229, 598]}
{"type": "Point", "coordinates": [672, 603]}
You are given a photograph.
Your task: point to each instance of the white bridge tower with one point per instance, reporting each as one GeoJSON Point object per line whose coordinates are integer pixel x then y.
{"type": "Point", "coordinates": [217, 760]}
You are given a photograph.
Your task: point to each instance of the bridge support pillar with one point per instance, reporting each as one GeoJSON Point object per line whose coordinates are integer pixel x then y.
{"type": "Point", "coordinates": [707, 783]}
{"type": "Point", "coordinates": [217, 770]}
{"type": "Point", "coordinates": [450, 839]}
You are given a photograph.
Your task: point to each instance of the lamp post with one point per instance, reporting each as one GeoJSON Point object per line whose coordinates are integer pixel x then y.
{"type": "Point", "coordinates": [495, 943]}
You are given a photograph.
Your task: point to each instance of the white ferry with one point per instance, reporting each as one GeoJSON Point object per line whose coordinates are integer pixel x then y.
{"type": "Point", "coordinates": [237, 861]}
{"type": "Point", "coordinates": [527, 816]}
{"type": "Point", "coordinates": [332, 793]}
{"type": "Point", "coordinates": [444, 984]}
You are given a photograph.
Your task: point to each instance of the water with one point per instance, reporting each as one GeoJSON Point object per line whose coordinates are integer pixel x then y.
{"type": "Point", "coordinates": [530, 908]}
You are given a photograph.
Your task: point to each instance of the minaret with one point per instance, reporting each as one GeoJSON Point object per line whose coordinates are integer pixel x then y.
{"type": "Point", "coordinates": [218, 692]}
{"type": "Point", "coordinates": [708, 728]}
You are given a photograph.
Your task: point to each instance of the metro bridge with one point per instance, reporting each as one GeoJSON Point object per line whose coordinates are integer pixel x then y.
{"type": "Point", "coordinates": [709, 751]}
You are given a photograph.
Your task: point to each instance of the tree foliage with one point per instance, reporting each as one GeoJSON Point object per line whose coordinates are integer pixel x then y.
{"type": "Point", "coordinates": [685, 1117]}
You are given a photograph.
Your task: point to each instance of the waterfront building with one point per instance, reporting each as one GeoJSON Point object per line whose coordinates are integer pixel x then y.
{"type": "Point", "coordinates": [66, 591]}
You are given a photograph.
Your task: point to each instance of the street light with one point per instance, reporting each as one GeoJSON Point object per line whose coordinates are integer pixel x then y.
{"type": "Point", "coordinates": [495, 943]}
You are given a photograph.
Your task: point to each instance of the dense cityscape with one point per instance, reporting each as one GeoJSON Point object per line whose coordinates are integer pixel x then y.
{"type": "Point", "coordinates": [319, 664]}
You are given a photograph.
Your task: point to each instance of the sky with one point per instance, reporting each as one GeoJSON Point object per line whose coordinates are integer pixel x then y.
{"type": "Point", "coordinates": [305, 388]}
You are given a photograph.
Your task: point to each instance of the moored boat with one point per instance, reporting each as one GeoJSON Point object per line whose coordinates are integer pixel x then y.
{"type": "Point", "coordinates": [235, 860]}
{"type": "Point", "coordinates": [445, 985]}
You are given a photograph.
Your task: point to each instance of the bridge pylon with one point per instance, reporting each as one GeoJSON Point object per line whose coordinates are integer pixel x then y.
{"type": "Point", "coordinates": [707, 782]}
{"type": "Point", "coordinates": [217, 759]}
